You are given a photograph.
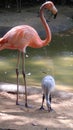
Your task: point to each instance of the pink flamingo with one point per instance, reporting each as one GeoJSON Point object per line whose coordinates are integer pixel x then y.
{"type": "Point", "coordinates": [20, 37]}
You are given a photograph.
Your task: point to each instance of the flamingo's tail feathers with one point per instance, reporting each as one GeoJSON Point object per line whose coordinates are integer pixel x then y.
{"type": "Point", "coordinates": [2, 42]}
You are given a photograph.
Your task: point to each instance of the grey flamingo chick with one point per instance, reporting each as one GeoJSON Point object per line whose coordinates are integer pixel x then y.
{"type": "Point", "coordinates": [48, 85]}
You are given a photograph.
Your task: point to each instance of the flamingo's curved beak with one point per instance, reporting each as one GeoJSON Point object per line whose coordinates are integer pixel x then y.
{"type": "Point", "coordinates": [55, 16]}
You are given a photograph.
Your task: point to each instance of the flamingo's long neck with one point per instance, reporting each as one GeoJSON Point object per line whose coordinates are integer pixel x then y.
{"type": "Point", "coordinates": [47, 29]}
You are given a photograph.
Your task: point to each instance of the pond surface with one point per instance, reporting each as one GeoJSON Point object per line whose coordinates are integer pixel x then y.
{"type": "Point", "coordinates": [55, 59]}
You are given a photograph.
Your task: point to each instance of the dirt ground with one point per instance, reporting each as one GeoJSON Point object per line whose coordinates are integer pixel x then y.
{"type": "Point", "coordinates": [19, 117]}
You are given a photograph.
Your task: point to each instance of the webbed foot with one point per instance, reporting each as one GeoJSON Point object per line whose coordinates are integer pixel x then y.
{"type": "Point", "coordinates": [41, 108]}
{"type": "Point", "coordinates": [50, 109]}
{"type": "Point", "coordinates": [28, 106]}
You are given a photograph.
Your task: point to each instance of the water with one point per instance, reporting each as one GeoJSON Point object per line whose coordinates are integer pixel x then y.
{"type": "Point", "coordinates": [57, 64]}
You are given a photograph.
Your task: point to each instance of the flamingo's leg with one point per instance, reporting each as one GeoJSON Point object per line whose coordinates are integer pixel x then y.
{"type": "Point", "coordinates": [43, 98]}
{"type": "Point", "coordinates": [17, 73]}
{"type": "Point", "coordinates": [24, 76]}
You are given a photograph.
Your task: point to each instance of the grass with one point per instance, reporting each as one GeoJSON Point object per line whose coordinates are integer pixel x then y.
{"type": "Point", "coordinates": [56, 60]}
